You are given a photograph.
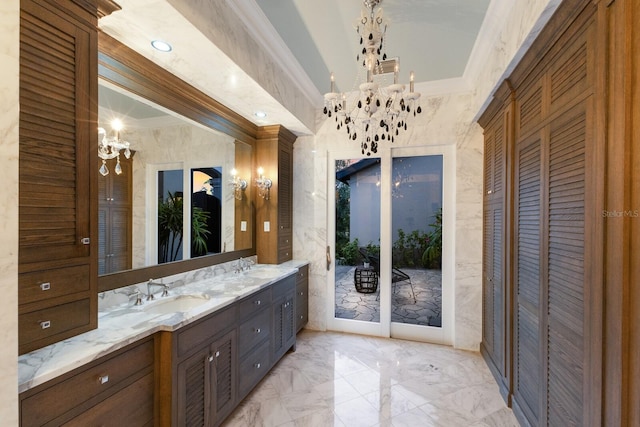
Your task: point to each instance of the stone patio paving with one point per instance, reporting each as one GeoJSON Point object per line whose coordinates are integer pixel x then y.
{"type": "Point", "coordinates": [426, 310]}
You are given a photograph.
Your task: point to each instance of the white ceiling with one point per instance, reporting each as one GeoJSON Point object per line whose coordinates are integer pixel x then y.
{"type": "Point", "coordinates": [434, 38]}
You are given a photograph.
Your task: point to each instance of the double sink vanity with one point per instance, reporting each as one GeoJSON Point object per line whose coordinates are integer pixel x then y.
{"type": "Point", "coordinates": [184, 359]}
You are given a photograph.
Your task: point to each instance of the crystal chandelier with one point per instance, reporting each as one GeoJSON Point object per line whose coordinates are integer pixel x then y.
{"type": "Point", "coordinates": [109, 147]}
{"type": "Point", "coordinates": [375, 113]}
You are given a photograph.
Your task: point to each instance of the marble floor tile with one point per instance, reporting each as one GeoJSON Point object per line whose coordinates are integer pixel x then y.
{"type": "Point", "coordinates": [343, 380]}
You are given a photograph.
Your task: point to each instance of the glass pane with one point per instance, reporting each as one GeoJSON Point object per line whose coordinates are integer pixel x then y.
{"type": "Point", "coordinates": [357, 239]}
{"type": "Point", "coordinates": [206, 211]}
{"type": "Point", "coordinates": [417, 240]}
{"type": "Point", "coordinates": [170, 212]}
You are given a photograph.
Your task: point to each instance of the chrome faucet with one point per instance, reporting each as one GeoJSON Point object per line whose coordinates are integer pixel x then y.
{"type": "Point", "coordinates": [135, 292]}
{"type": "Point", "coordinates": [242, 265]}
{"type": "Point", "coordinates": [151, 283]}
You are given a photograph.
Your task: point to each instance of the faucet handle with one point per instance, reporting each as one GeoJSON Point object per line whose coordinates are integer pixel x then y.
{"type": "Point", "coordinates": [165, 290]}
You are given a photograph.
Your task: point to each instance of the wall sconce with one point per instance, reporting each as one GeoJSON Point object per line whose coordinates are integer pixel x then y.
{"type": "Point", "coordinates": [263, 184]}
{"type": "Point", "coordinates": [109, 147]}
{"type": "Point", "coordinates": [239, 184]}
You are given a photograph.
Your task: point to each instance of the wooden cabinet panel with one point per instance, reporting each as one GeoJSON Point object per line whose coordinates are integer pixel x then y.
{"type": "Point", "coordinates": [302, 297]}
{"type": "Point", "coordinates": [202, 332]}
{"type": "Point", "coordinates": [107, 383]}
{"type": "Point", "coordinates": [254, 330]}
{"type": "Point", "coordinates": [58, 122]}
{"type": "Point", "coordinates": [41, 327]}
{"type": "Point", "coordinates": [284, 322]}
{"type": "Point", "coordinates": [54, 283]}
{"type": "Point", "coordinates": [195, 377]}
{"type": "Point", "coordinates": [253, 367]}
{"type": "Point", "coordinates": [254, 303]}
{"type": "Point", "coordinates": [131, 406]}
{"type": "Point", "coordinates": [553, 198]}
{"type": "Point", "coordinates": [275, 154]}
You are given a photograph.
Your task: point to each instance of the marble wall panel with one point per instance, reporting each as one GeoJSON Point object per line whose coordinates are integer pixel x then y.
{"type": "Point", "coordinates": [9, 119]}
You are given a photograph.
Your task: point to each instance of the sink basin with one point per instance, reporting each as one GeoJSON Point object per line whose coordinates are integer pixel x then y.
{"type": "Point", "coordinates": [178, 303]}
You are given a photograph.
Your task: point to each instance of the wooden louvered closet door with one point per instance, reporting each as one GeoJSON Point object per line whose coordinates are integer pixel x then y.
{"type": "Point", "coordinates": [58, 142]}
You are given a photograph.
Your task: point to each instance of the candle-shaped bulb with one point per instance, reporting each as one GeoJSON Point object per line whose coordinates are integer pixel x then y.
{"type": "Point", "coordinates": [260, 171]}
{"type": "Point", "coordinates": [396, 68]}
{"type": "Point", "coordinates": [333, 83]}
{"type": "Point", "coordinates": [234, 172]}
{"type": "Point", "coordinates": [411, 78]}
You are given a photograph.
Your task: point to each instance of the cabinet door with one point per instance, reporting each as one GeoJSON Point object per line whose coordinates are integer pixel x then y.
{"type": "Point", "coordinates": [285, 202]}
{"type": "Point", "coordinates": [58, 88]}
{"type": "Point", "coordinates": [284, 327]}
{"type": "Point", "coordinates": [195, 379]}
{"type": "Point", "coordinates": [224, 376]}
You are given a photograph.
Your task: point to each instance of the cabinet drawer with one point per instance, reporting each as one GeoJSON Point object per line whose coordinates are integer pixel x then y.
{"type": "Point", "coordinates": [254, 303]}
{"type": "Point", "coordinates": [284, 286]}
{"type": "Point", "coordinates": [302, 275]}
{"type": "Point", "coordinates": [203, 332]}
{"type": "Point", "coordinates": [131, 406]}
{"type": "Point", "coordinates": [253, 368]}
{"type": "Point", "coordinates": [254, 330]}
{"type": "Point", "coordinates": [41, 285]}
{"type": "Point", "coordinates": [68, 394]}
{"type": "Point", "coordinates": [48, 322]}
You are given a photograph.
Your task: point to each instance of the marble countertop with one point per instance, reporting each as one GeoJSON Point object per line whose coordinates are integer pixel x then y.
{"type": "Point", "coordinates": [124, 324]}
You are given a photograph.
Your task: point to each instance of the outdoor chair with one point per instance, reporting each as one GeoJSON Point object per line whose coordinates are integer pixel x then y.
{"type": "Point", "coordinates": [397, 275]}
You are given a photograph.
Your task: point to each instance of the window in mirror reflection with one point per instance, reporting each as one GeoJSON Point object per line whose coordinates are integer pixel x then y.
{"type": "Point", "coordinates": [206, 211]}
{"type": "Point", "coordinates": [170, 215]}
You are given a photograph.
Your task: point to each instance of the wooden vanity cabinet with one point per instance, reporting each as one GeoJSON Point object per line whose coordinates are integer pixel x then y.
{"type": "Point", "coordinates": [115, 390]}
{"type": "Point", "coordinates": [58, 143]}
{"type": "Point", "coordinates": [302, 297]}
{"type": "Point", "coordinates": [275, 154]}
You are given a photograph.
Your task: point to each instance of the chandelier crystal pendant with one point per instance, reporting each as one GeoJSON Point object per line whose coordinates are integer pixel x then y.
{"type": "Point", "coordinates": [375, 113]}
{"type": "Point", "coordinates": [109, 147]}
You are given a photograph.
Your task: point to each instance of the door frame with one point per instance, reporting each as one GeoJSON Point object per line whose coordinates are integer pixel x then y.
{"type": "Point", "coordinates": [386, 328]}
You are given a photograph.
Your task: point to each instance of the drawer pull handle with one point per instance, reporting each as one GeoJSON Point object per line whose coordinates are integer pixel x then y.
{"type": "Point", "coordinates": [46, 324]}
{"type": "Point", "coordinates": [301, 317]}
{"type": "Point", "coordinates": [258, 302]}
{"type": "Point", "coordinates": [217, 354]}
{"type": "Point", "coordinates": [45, 286]}
{"type": "Point", "coordinates": [210, 358]}
{"type": "Point", "coordinates": [103, 379]}
{"type": "Point", "coordinates": [258, 330]}
{"type": "Point", "coordinates": [257, 365]}
{"type": "Point", "coordinates": [85, 241]}
{"type": "Point", "coordinates": [301, 293]}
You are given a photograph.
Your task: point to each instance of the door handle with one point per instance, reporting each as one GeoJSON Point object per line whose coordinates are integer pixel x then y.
{"type": "Point", "coordinates": [328, 258]}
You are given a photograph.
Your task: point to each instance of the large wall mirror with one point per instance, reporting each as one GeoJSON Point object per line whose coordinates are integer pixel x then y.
{"type": "Point", "coordinates": [166, 202]}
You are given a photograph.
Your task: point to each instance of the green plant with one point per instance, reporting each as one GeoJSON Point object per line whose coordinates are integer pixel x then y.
{"type": "Point", "coordinates": [432, 256]}
{"type": "Point", "coordinates": [348, 252]}
{"type": "Point", "coordinates": [170, 213]}
{"type": "Point", "coordinates": [169, 228]}
{"type": "Point", "coordinates": [199, 231]}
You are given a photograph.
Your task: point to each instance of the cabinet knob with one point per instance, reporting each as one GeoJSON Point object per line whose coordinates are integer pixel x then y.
{"type": "Point", "coordinates": [301, 293]}
{"type": "Point", "coordinates": [103, 379]}
{"type": "Point", "coordinates": [45, 286]}
{"type": "Point", "coordinates": [85, 241]}
{"type": "Point", "coordinates": [210, 358]}
{"type": "Point", "coordinates": [490, 192]}
{"type": "Point", "coordinates": [258, 302]}
{"type": "Point", "coordinates": [301, 317]}
{"type": "Point", "coordinates": [45, 324]}
{"type": "Point", "coordinates": [257, 365]}
{"type": "Point", "coordinates": [217, 353]}
{"type": "Point", "coordinates": [258, 330]}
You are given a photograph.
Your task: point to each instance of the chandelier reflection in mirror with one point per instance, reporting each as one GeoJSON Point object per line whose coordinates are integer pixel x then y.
{"type": "Point", "coordinates": [238, 184]}
{"type": "Point", "coordinates": [376, 113]}
{"type": "Point", "coordinates": [109, 147]}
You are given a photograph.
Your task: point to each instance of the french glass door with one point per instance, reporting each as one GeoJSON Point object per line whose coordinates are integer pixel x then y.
{"type": "Point", "coordinates": [389, 242]}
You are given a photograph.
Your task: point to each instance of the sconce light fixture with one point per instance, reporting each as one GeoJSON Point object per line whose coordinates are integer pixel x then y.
{"type": "Point", "coordinates": [109, 147]}
{"type": "Point", "coordinates": [239, 184]}
{"type": "Point", "coordinates": [264, 184]}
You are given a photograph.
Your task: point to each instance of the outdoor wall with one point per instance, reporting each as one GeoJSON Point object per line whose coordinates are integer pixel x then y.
{"type": "Point", "coordinates": [446, 119]}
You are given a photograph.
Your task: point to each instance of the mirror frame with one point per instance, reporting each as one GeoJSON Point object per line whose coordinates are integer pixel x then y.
{"type": "Point", "coordinates": [125, 68]}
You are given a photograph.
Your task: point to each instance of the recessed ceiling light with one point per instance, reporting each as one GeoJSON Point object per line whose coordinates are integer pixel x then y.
{"type": "Point", "coordinates": [162, 46]}
{"type": "Point", "coordinates": [260, 114]}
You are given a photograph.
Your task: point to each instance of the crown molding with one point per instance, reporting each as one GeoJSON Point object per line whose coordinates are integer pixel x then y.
{"type": "Point", "coordinates": [268, 38]}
